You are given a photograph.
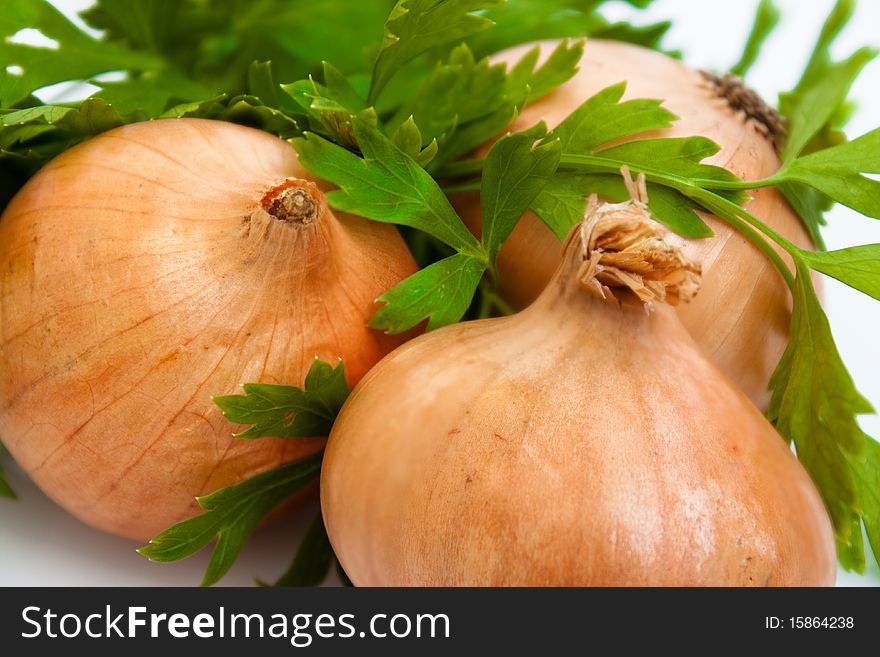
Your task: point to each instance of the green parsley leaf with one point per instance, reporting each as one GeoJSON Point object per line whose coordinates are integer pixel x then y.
{"type": "Point", "coordinates": [648, 36]}
{"type": "Point", "coordinates": [514, 174]}
{"type": "Point", "coordinates": [560, 67]}
{"type": "Point", "coordinates": [811, 107]}
{"type": "Point", "coordinates": [866, 473]}
{"type": "Point", "coordinates": [815, 404]}
{"type": "Point", "coordinates": [463, 101]}
{"type": "Point", "coordinates": [441, 293]}
{"type": "Point", "coordinates": [823, 85]}
{"type": "Point", "coordinates": [281, 411]}
{"type": "Point", "coordinates": [857, 266]}
{"type": "Point", "coordinates": [766, 20]}
{"type": "Point", "coordinates": [809, 204]}
{"type": "Point", "coordinates": [232, 514]}
{"type": "Point", "coordinates": [331, 105]}
{"type": "Point", "coordinates": [416, 26]}
{"type": "Point", "coordinates": [30, 137]}
{"type": "Point", "coordinates": [676, 157]}
{"type": "Point", "coordinates": [837, 172]}
{"type": "Point", "coordinates": [525, 21]}
{"type": "Point", "coordinates": [523, 84]}
{"type": "Point", "coordinates": [457, 91]}
{"type": "Point", "coordinates": [563, 202]}
{"type": "Point", "coordinates": [386, 185]}
{"type": "Point", "coordinates": [77, 56]}
{"type": "Point", "coordinates": [603, 118]}
{"type": "Point", "coordinates": [671, 164]}
{"type": "Point", "coordinates": [5, 489]}
{"type": "Point", "coordinates": [213, 43]}
{"type": "Point", "coordinates": [261, 83]}
{"type": "Point", "coordinates": [817, 107]}
{"type": "Point", "coordinates": [150, 94]}
{"type": "Point", "coordinates": [251, 111]}
{"type": "Point", "coordinates": [840, 15]}
{"type": "Point", "coordinates": [408, 138]}
{"type": "Point", "coordinates": [312, 561]}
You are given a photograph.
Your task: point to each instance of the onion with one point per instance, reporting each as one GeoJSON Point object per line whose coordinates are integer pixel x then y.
{"type": "Point", "coordinates": [741, 320]}
{"type": "Point", "coordinates": [582, 441]}
{"type": "Point", "coordinates": [150, 268]}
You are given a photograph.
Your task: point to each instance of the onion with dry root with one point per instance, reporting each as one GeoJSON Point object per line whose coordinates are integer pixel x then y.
{"type": "Point", "coordinates": [583, 441]}
{"type": "Point", "coordinates": [741, 319]}
{"type": "Point", "coordinates": [150, 268]}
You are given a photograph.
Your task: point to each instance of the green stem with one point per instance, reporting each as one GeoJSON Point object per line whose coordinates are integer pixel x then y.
{"type": "Point", "coordinates": [461, 168]}
{"type": "Point", "coordinates": [491, 299]}
{"type": "Point", "coordinates": [699, 190]}
{"type": "Point", "coordinates": [503, 307]}
{"type": "Point", "coordinates": [731, 213]}
{"type": "Point", "coordinates": [464, 168]}
{"type": "Point", "coordinates": [463, 187]}
{"type": "Point", "coordinates": [606, 164]}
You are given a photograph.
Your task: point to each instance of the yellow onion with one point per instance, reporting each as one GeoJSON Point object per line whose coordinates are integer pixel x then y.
{"type": "Point", "coordinates": [741, 319]}
{"type": "Point", "coordinates": [583, 441]}
{"type": "Point", "coordinates": [150, 268]}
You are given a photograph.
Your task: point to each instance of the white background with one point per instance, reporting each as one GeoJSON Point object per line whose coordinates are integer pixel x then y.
{"type": "Point", "coordinates": [40, 545]}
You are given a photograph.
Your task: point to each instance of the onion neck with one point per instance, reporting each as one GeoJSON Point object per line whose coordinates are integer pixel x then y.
{"type": "Point", "coordinates": [620, 256]}
{"type": "Point", "coordinates": [295, 202]}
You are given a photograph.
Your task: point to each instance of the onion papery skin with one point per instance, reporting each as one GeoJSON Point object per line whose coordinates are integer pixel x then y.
{"type": "Point", "coordinates": [140, 277]}
{"type": "Point", "coordinates": [741, 317]}
{"type": "Point", "coordinates": [572, 444]}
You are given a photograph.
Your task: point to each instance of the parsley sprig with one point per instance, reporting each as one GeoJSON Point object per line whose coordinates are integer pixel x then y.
{"type": "Point", "coordinates": [233, 513]}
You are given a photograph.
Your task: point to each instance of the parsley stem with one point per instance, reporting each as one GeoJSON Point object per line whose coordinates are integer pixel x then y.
{"type": "Point", "coordinates": [748, 225]}
{"type": "Point", "coordinates": [461, 168]}
{"type": "Point", "coordinates": [491, 299]}
{"type": "Point", "coordinates": [699, 190]}
{"type": "Point", "coordinates": [473, 186]}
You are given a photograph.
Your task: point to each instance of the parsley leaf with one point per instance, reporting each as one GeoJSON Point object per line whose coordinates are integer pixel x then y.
{"type": "Point", "coordinates": [331, 105]}
{"type": "Point", "coordinates": [388, 185]}
{"type": "Point", "coordinates": [29, 137]}
{"type": "Point", "coordinates": [408, 138]}
{"type": "Point", "coordinates": [523, 21]}
{"type": "Point", "coordinates": [766, 20]}
{"type": "Point", "coordinates": [280, 411]}
{"type": "Point", "coordinates": [866, 474]}
{"type": "Point", "coordinates": [815, 102]}
{"type": "Point", "coordinates": [560, 67]}
{"type": "Point", "coordinates": [416, 26]}
{"type": "Point", "coordinates": [213, 43]}
{"type": "Point", "coordinates": [5, 489]}
{"type": "Point", "coordinates": [463, 101]}
{"type": "Point", "coordinates": [232, 514]}
{"type": "Point", "coordinates": [150, 94]}
{"type": "Point", "coordinates": [457, 91]}
{"type": "Point", "coordinates": [75, 55]}
{"type": "Point", "coordinates": [815, 404]}
{"type": "Point", "coordinates": [857, 266]}
{"type": "Point", "coordinates": [312, 561]}
{"type": "Point", "coordinates": [671, 164]}
{"type": "Point", "coordinates": [441, 293]}
{"type": "Point", "coordinates": [385, 185]}
{"type": "Point", "coordinates": [514, 174]}
{"type": "Point", "coordinates": [837, 172]}
{"type": "Point", "coordinates": [603, 118]}
{"type": "Point", "coordinates": [816, 109]}
{"type": "Point", "coordinates": [563, 202]}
